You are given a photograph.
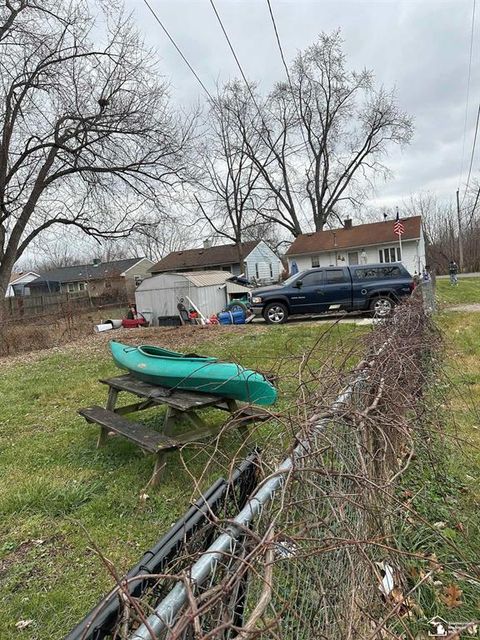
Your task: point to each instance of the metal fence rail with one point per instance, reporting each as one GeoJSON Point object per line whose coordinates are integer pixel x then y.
{"type": "Point", "coordinates": [295, 559]}
{"type": "Point", "coordinates": [187, 538]}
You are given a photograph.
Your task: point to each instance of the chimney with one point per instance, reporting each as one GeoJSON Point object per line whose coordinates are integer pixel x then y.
{"type": "Point", "coordinates": [207, 243]}
{"type": "Point", "coordinates": [347, 224]}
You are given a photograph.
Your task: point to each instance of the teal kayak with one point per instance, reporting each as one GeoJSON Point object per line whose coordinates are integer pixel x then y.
{"type": "Point", "coordinates": [194, 373]}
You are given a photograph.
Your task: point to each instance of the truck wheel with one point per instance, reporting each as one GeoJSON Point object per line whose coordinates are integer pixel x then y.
{"type": "Point", "coordinates": [382, 306]}
{"type": "Point", "coordinates": [275, 313]}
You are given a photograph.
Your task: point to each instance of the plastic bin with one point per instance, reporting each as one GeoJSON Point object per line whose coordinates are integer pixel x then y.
{"type": "Point", "coordinates": [231, 317]}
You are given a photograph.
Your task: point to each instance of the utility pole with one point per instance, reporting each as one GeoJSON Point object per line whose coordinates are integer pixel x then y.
{"type": "Point", "coordinates": [460, 240]}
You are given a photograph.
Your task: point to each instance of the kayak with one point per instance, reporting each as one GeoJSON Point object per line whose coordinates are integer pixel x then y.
{"type": "Point", "coordinates": [193, 373]}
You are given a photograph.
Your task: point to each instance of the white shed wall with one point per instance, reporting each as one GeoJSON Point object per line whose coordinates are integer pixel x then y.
{"type": "Point", "coordinates": [263, 264]}
{"type": "Point", "coordinates": [158, 296]}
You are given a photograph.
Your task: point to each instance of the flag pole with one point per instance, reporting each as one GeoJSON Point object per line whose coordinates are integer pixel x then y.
{"type": "Point", "coordinates": [400, 239]}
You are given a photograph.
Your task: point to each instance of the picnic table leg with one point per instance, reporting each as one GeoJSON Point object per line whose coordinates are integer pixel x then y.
{"type": "Point", "coordinates": [160, 464]}
{"type": "Point", "coordinates": [242, 428]}
{"type": "Point", "coordinates": [170, 421]}
{"type": "Point", "coordinates": [110, 406]}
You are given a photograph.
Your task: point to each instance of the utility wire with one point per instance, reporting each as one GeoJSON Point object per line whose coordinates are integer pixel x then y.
{"type": "Point", "coordinates": [472, 155]}
{"type": "Point", "coordinates": [297, 109]}
{"type": "Point", "coordinates": [468, 90]}
{"type": "Point", "coordinates": [236, 59]}
{"type": "Point", "coordinates": [154, 14]}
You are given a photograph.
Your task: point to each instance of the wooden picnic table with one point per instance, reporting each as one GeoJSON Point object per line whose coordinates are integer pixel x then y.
{"type": "Point", "coordinates": [180, 405]}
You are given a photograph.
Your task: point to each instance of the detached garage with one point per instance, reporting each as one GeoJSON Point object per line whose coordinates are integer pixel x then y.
{"type": "Point", "coordinates": [210, 291]}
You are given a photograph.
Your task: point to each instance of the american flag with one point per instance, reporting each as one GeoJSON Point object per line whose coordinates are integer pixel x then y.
{"type": "Point", "coordinates": [398, 227]}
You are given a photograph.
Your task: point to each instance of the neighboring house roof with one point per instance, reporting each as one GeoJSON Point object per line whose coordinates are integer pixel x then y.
{"type": "Point", "coordinates": [84, 272]}
{"type": "Point", "coordinates": [362, 235]}
{"type": "Point", "coordinates": [14, 276]}
{"type": "Point", "coordinates": [208, 256]}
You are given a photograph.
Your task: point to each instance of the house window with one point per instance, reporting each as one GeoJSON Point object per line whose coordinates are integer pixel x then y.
{"type": "Point", "coordinates": [82, 286]}
{"type": "Point", "coordinates": [315, 261]}
{"type": "Point", "coordinates": [138, 280]}
{"type": "Point", "coordinates": [257, 270]}
{"type": "Point", "coordinates": [71, 287]}
{"type": "Point", "coordinates": [390, 254]}
{"type": "Point", "coordinates": [271, 269]}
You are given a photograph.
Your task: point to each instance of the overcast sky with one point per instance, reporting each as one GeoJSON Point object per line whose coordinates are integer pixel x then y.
{"type": "Point", "coordinates": [421, 47]}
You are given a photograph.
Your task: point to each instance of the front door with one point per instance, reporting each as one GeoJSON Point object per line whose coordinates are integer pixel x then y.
{"type": "Point", "coordinates": [307, 298]}
{"type": "Point", "coordinates": [353, 257]}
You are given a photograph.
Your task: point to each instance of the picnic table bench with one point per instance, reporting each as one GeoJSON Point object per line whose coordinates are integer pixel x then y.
{"type": "Point", "coordinates": [180, 404]}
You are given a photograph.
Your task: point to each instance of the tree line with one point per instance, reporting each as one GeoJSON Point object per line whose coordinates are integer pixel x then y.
{"type": "Point", "coordinates": [90, 139]}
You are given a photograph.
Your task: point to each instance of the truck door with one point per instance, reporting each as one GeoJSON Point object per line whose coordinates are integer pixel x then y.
{"type": "Point", "coordinates": [308, 293]}
{"type": "Point", "coordinates": [337, 289]}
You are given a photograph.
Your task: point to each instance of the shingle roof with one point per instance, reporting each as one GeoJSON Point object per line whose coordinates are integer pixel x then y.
{"type": "Point", "coordinates": [226, 254]}
{"type": "Point", "coordinates": [85, 272]}
{"type": "Point", "coordinates": [361, 235]}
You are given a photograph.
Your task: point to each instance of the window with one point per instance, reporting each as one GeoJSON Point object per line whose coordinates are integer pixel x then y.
{"type": "Point", "coordinates": [390, 254]}
{"type": "Point", "coordinates": [71, 287]}
{"type": "Point", "coordinates": [82, 286]}
{"type": "Point", "coordinates": [138, 280]}
{"type": "Point", "coordinates": [315, 261]}
{"type": "Point", "coordinates": [377, 273]}
{"type": "Point", "coordinates": [271, 269]}
{"type": "Point", "coordinates": [257, 270]}
{"type": "Point", "coordinates": [334, 276]}
{"type": "Point", "coordinates": [312, 279]}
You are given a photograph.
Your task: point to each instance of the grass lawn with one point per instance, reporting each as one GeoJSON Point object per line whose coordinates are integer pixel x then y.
{"type": "Point", "coordinates": [59, 493]}
{"type": "Point", "coordinates": [443, 485]}
{"type": "Point", "coordinates": [467, 291]}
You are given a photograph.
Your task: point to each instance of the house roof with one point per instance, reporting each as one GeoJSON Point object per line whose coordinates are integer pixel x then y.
{"type": "Point", "coordinates": [225, 254]}
{"type": "Point", "coordinates": [362, 235]}
{"type": "Point", "coordinates": [84, 272]}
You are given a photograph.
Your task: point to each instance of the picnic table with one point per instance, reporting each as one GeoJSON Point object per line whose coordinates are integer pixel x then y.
{"type": "Point", "coordinates": [180, 405]}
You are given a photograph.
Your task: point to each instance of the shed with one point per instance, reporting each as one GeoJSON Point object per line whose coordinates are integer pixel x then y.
{"type": "Point", "coordinates": [158, 296]}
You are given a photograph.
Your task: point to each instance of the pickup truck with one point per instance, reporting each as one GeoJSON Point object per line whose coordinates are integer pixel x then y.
{"type": "Point", "coordinates": [374, 287]}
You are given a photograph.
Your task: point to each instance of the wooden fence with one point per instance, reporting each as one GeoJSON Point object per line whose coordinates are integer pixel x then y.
{"type": "Point", "coordinates": [35, 306]}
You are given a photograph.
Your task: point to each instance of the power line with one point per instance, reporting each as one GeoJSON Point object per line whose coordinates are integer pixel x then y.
{"type": "Point", "coordinates": [236, 59]}
{"type": "Point", "coordinates": [297, 109]}
{"type": "Point", "coordinates": [468, 90]}
{"type": "Point", "coordinates": [472, 154]}
{"type": "Point", "coordinates": [179, 50]}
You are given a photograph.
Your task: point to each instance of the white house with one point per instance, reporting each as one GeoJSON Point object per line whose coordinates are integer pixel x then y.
{"type": "Point", "coordinates": [158, 296]}
{"type": "Point", "coordinates": [259, 261]}
{"type": "Point", "coordinates": [362, 244]}
{"type": "Point", "coordinates": [18, 285]}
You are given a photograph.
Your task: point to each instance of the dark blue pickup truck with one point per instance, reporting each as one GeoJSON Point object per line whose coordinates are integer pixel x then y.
{"type": "Point", "coordinates": [375, 287]}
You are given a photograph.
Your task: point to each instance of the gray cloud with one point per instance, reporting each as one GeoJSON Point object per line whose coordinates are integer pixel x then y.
{"type": "Point", "coordinates": [420, 47]}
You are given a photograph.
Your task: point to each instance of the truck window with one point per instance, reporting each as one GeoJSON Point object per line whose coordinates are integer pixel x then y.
{"type": "Point", "coordinates": [335, 276]}
{"type": "Point", "coordinates": [312, 279]}
{"type": "Point", "coordinates": [377, 273]}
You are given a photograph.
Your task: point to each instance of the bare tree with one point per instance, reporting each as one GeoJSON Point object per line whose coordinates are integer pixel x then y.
{"type": "Point", "coordinates": [85, 131]}
{"type": "Point", "coordinates": [324, 137]}
{"type": "Point", "coordinates": [227, 178]}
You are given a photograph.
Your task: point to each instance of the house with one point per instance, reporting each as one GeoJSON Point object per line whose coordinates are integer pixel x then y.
{"type": "Point", "coordinates": [98, 278]}
{"type": "Point", "coordinates": [157, 297]}
{"type": "Point", "coordinates": [260, 262]}
{"type": "Point", "coordinates": [361, 244]}
{"type": "Point", "coordinates": [18, 285]}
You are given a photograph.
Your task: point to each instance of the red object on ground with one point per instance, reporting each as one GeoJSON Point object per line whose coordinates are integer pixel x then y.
{"type": "Point", "coordinates": [133, 324]}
